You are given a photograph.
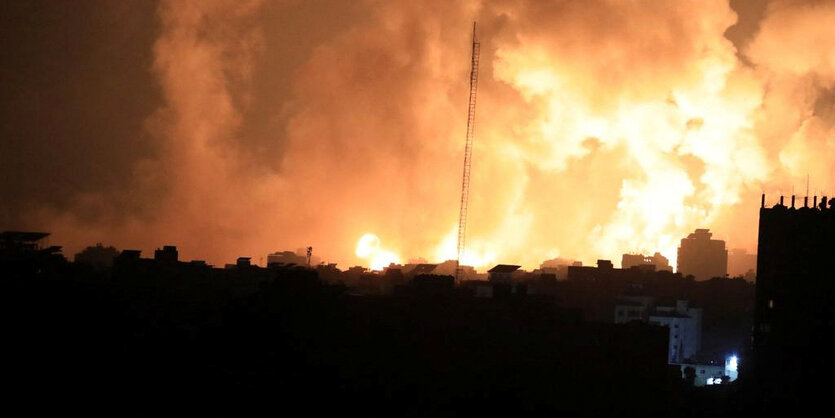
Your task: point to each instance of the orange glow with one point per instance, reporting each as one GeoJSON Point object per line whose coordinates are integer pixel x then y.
{"type": "Point", "coordinates": [602, 128]}
{"type": "Point", "coordinates": [383, 259]}
{"type": "Point", "coordinates": [368, 248]}
{"type": "Point", "coordinates": [368, 245]}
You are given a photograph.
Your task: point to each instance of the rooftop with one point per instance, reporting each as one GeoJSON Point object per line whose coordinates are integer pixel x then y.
{"type": "Point", "coordinates": [22, 236]}
{"type": "Point", "coordinates": [503, 268]}
{"type": "Point", "coordinates": [424, 269]}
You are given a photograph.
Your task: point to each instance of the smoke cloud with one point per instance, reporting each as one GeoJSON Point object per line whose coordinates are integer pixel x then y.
{"type": "Point", "coordinates": [602, 127]}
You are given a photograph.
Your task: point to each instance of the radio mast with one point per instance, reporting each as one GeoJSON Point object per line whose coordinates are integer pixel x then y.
{"type": "Point", "coordinates": [468, 151]}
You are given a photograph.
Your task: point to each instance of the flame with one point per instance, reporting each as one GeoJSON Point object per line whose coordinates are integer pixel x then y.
{"type": "Point", "coordinates": [476, 255]}
{"type": "Point", "coordinates": [368, 248]}
{"type": "Point", "coordinates": [383, 259]}
{"type": "Point", "coordinates": [368, 245]}
{"type": "Point", "coordinates": [602, 128]}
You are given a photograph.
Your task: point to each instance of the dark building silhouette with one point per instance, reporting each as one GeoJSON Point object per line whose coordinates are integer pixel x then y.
{"type": "Point", "coordinates": [286, 258]}
{"type": "Point", "coordinates": [99, 257]}
{"type": "Point", "coordinates": [28, 253]}
{"type": "Point", "coordinates": [128, 256]}
{"type": "Point", "coordinates": [19, 242]}
{"type": "Point", "coordinates": [168, 254]}
{"type": "Point", "coordinates": [320, 338]}
{"type": "Point", "coordinates": [795, 305]}
{"type": "Point", "coordinates": [702, 257]}
{"type": "Point", "coordinates": [603, 272]}
{"type": "Point", "coordinates": [243, 262]}
{"type": "Point", "coordinates": [657, 260]}
{"type": "Point", "coordinates": [502, 273]}
{"type": "Point", "coordinates": [421, 269]}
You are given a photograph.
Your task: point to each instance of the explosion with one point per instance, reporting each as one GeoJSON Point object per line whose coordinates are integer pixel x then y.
{"type": "Point", "coordinates": [603, 127]}
{"type": "Point", "coordinates": [368, 245]}
{"type": "Point", "coordinates": [368, 248]}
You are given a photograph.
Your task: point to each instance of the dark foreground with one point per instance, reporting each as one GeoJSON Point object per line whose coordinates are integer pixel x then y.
{"type": "Point", "coordinates": [157, 339]}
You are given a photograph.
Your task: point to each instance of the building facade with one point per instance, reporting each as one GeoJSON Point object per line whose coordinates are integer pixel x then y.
{"type": "Point", "coordinates": [685, 324]}
{"type": "Point", "coordinates": [702, 257]}
{"type": "Point", "coordinates": [794, 317]}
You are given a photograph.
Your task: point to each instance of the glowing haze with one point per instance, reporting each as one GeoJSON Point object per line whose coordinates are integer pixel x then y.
{"type": "Point", "coordinates": [603, 127]}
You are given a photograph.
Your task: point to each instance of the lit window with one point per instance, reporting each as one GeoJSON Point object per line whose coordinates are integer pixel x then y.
{"type": "Point", "coordinates": [732, 363]}
{"type": "Point", "coordinates": [771, 303]}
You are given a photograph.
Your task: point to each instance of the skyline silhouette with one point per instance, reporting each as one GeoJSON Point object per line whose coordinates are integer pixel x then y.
{"type": "Point", "coordinates": [232, 207]}
{"type": "Point", "coordinates": [511, 341]}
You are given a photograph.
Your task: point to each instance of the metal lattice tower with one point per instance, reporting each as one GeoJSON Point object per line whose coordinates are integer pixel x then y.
{"type": "Point", "coordinates": [468, 150]}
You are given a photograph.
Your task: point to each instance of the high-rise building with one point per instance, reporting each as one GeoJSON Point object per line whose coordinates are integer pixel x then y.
{"type": "Point", "coordinates": [794, 317]}
{"type": "Point", "coordinates": [702, 257]}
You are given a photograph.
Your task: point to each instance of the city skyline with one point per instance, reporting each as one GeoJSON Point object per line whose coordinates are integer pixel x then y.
{"type": "Point", "coordinates": [590, 329]}
{"type": "Point", "coordinates": [703, 264]}
{"type": "Point", "coordinates": [515, 208]}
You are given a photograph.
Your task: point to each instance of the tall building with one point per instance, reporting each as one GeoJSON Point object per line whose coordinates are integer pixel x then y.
{"type": "Point", "coordinates": [794, 317]}
{"type": "Point", "coordinates": [702, 257]}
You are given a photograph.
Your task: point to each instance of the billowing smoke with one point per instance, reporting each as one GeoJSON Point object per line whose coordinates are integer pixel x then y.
{"type": "Point", "coordinates": [602, 127]}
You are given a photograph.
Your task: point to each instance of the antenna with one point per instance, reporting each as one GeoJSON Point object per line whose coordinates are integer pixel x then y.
{"type": "Point", "coordinates": [468, 150]}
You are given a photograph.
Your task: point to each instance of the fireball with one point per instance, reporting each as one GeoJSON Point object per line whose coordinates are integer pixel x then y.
{"type": "Point", "coordinates": [368, 248]}
{"type": "Point", "coordinates": [368, 245]}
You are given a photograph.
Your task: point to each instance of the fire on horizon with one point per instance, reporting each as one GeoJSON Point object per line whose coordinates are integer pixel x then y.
{"type": "Point", "coordinates": [234, 128]}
